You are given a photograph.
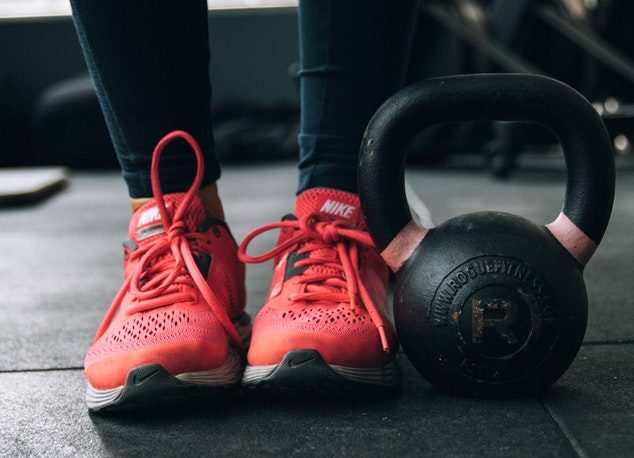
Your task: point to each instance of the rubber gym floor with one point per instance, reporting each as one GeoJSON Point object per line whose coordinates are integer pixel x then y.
{"type": "Point", "coordinates": [62, 266]}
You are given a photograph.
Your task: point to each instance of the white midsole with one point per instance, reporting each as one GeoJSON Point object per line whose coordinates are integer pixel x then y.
{"type": "Point", "coordinates": [387, 375]}
{"type": "Point", "coordinates": [98, 398]}
{"type": "Point", "coordinates": [227, 374]}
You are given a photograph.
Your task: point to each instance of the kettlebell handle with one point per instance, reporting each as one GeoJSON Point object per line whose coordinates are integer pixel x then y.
{"type": "Point", "coordinates": [502, 97]}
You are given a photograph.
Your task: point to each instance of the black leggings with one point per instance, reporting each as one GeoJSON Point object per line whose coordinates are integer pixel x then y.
{"type": "Point", "coordinates": [149, 61]}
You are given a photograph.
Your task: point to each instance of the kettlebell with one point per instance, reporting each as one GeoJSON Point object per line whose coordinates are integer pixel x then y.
{"type": "Point", "coordinates": [489, 304]}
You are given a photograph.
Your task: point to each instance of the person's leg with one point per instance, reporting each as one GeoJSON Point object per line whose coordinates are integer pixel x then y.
{"type": "Point", "coordinates": [324, 325]}
{"type": "Point", "coordinates": [178, 322]}
{"type": "Point", "coordinates": [149, 62]}
{"type": "Point", "coordinates": [353, 56]}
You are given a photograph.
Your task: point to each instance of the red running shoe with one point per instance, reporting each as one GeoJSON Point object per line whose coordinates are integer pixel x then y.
{"type": "Point", "coordinates": [324, 327]}
{"type": "Point", "coordinates": [177, 327]}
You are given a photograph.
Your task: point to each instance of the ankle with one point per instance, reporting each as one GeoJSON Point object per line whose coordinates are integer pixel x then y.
{"type": "Point", "coordinates": [211, 201]}
{"type": "Point", "coordinates": [208, 196]}
{"type": "Point", "coordinates": [138, 202]}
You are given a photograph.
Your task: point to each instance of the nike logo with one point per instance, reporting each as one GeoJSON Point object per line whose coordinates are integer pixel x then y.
{"type": "Point", "coordinates": [336, 208]}
{"type": "Point", "coordinates": [140, 378]}
{"type": "Point", "coordinates": [149, 216]}
{"type": "Point", "coordinates": [299, 361]}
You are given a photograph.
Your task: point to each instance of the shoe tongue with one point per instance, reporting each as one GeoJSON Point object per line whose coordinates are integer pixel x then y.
{"type": "Point", "coordinates": [146, 223]}
{"type": "Point", "coordinates": [330, 203]}
{"type": "Point", "coordinates": [334, 205]}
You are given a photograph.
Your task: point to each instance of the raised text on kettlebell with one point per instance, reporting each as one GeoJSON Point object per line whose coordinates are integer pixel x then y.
{"type": "Point", "coordinates": [531, 285]}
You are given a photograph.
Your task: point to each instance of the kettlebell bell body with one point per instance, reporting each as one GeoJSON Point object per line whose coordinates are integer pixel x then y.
{"type": "Point", "coordinates": [500, 297]}
{"type": "Point", "coordinates": [488, 303]}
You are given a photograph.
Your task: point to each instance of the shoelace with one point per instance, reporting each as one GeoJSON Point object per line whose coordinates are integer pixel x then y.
{"type": "Point", "coordinates": [166, 272]}
{"type": "Point", "coordinates": [343, 283]}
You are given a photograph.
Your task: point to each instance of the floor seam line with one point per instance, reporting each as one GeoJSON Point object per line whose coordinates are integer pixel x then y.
{"type": "Point", "coordinates": [614, 342]}
{"type": "Point", "coordinates": [46, 369]}
{"type": "Point", "coordinates": [572, 441]}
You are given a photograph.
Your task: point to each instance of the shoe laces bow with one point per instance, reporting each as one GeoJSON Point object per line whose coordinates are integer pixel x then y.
{"type": "Point", "coordinates": [166, 272]}
{"type": "Point", "coordinates": [332, 245]}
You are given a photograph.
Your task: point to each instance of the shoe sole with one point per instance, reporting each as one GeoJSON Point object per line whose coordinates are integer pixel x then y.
{"type": "Point", "coordinates": [152, 384]}
{"type": "Point", "coordinates": [306, 372]}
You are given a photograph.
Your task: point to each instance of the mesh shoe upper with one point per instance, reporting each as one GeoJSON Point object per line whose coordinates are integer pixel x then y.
{"type": "Point", "coordinates": [183, 288]}
{"type": "Point", "coordinates": [329, 287]}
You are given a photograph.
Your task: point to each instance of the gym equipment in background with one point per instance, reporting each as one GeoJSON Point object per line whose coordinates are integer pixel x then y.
{"type": "Point", "coordinates": [28, 185]}
{"type": "Point", "coordinates": [68, 128]}
{"type": "Point", "coordinates": [246, 133]}
{"type": "Point", "coordinates": [570, 40]}
{"type": "Point", "coordinates": [489, 304]}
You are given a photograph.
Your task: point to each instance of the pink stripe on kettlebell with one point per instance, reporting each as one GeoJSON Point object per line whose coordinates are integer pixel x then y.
{"type": "Point", "coordinates": [403, 245]}
{"type": "Point", "coordinates": [573, 239]}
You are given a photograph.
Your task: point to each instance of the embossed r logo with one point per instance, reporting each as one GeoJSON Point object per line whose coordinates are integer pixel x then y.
{"type": "Point", "coordinates": [498, 314]}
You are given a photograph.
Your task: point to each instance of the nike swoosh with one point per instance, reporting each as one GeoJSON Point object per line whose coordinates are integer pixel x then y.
{"type": "Point", "coordinates": [138, 379]}
{"type": "Point", "coordinates": [293, 363]}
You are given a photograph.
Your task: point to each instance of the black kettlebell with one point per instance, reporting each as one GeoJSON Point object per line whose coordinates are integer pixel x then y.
{"type": "Point", "coordinates": [489, 304]}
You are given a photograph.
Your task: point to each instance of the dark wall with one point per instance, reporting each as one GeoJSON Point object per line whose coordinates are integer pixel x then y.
{"type": "Point", "coordinates": [250, 54]}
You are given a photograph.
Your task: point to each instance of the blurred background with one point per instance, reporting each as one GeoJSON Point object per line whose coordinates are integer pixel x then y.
{"type": "Point", "coordinates": [49, 113]}
{"type": "Point", "coordinates": [62, 257]}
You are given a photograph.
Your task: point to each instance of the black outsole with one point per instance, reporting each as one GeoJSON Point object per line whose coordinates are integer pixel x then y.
{"type": "Point", "coordinates": [304, 372]}
{"type": "Point", "coordinates": [151, 386]}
